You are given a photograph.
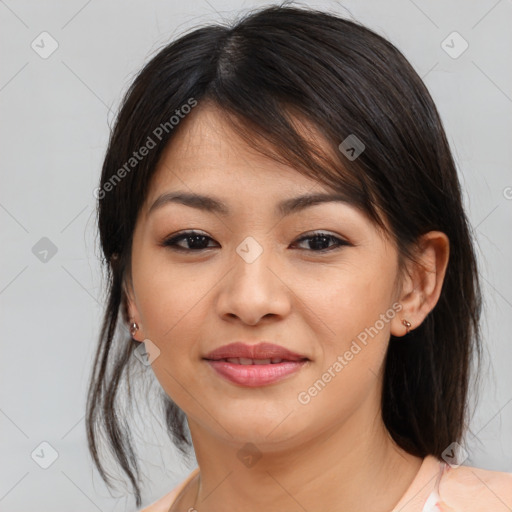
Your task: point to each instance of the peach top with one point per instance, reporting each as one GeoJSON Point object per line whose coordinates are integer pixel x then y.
{"type": "Point", "coordinates": [437, 487]}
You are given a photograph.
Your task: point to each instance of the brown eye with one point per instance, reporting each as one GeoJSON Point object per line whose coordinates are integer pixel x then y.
{"type": "Point", "coordinates": [193, 241]}
{"type": "Point", "coordinates": [319, 242]}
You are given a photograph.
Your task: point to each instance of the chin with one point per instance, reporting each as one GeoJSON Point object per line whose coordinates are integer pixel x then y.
{"type": "Point", "coordinates": [269, 426]}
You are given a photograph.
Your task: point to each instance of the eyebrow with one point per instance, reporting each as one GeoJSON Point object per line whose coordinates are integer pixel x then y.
{"type": "Point", "coordinates": [214, 205]}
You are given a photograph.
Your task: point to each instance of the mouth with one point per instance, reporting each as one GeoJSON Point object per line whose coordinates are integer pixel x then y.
{"type": "Point", "coordinates": [254, 365]}
{"type": "Point", "coordinates": [263, 351]}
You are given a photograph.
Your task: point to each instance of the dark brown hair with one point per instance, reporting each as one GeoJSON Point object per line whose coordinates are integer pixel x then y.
{"type": "Point", "coordinates": [272, 67]}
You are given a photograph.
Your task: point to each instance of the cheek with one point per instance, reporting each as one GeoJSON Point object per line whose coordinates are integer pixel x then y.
{"type": "Point", "coordinates": [351, 300]}
{"type": "Point", "coordinates": [353, 349]}
{"type": "Point", "coordinates": [168, 297]}
{"type": "Point", "coordinates": [172, 315]}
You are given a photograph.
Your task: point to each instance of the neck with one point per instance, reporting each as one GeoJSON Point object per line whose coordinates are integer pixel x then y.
{"type": "Point", "coordinates": [331, 471]}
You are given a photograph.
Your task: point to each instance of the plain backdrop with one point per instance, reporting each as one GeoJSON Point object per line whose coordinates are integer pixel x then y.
{"type": "Point", "coordinates": [55, 116]}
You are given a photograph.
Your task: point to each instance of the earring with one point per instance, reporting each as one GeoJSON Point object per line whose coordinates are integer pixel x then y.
{"type": "Point", "coordinates": [134, 328]}
{"type": "Point", "coordinates": [407, 326]}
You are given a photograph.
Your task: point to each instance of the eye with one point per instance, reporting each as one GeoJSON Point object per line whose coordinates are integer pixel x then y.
{"type": "Point", "coordinates": [319, 242]}
{"type": "Point", "coordinates": [194, 241]}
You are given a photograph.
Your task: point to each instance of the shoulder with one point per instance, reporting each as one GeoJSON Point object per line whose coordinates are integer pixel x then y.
{"type": "Point", "coordinates": [166, 501]}
{"type": "Point", "coordinates": [472, 489]}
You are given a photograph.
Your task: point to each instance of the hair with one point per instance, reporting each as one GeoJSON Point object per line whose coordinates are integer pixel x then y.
{"type": "Point", "coordinates": [271, 68]}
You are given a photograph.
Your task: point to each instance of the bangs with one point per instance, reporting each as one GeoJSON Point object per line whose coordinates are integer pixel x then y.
{"type": "Point", "coordinates": [293, 139]}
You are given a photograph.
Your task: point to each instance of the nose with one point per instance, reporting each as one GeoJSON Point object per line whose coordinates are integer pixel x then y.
{"type": "Point", "coordinates": [254, 290]}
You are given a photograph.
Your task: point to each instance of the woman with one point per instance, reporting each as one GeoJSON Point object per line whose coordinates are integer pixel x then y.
{"type": "Point", "coordinates": [282, 224]}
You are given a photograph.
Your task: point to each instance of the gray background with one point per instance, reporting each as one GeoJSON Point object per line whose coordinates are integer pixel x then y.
{"type": "Point", "coordinates": [56, 113]}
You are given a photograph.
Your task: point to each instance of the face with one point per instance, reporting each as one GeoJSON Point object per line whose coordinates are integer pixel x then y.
{"type": "Point", "coordinates": [320, 281]}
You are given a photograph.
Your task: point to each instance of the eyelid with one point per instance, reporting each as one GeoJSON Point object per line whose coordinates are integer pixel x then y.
{"type": "Point", "coordinates": [323, 232]}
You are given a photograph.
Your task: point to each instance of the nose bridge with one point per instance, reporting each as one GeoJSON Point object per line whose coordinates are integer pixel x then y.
{"type": "Point", "coordinates": [250, 250]}
{"type": "Point", "coordinates": [251, 267]}
{"type": "Point", "coordinates": [252, 290]}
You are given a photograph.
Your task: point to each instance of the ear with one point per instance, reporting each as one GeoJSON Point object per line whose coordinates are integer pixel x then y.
{"type": "Point", "coordinates": [131, 311]}
{"type": "Point", "coordinates": [422, 281]}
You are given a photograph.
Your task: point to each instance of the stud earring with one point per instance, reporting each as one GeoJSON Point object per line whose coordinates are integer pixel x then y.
{"type": "Point", "coordinates": [134, 328]}
{"type": "Point", "coordinates": [407, 326]}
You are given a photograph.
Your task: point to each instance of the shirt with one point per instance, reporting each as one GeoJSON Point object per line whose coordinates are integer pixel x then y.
{"type": "Point", "coordinates": [437, 487]}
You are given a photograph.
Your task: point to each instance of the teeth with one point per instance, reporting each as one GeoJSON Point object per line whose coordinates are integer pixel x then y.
{"type": "Point", "coordinates": [247, 361]}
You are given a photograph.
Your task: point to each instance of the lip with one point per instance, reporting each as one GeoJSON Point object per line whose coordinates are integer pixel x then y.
{"type": "Point", "coordinates": [254, 375]}
{"type": "Point", "coordinates": [263, 350]}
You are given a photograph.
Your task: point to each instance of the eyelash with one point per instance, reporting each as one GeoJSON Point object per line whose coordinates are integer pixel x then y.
{"type": "Point", "coordinates": [172, 241]}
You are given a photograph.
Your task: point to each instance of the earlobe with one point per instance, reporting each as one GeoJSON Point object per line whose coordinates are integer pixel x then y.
{"type": "Point", "coordinates": [131, 312]}
{"type": "Point", "coordinates": [407, 325]}
{"type": "Point", "coordinates": [421, 287]}
{"type": "Point", "coordinates": [134, 327]}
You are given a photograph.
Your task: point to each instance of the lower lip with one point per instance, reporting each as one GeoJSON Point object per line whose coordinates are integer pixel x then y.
{"type": "Point", "coordinates": [254, 375]}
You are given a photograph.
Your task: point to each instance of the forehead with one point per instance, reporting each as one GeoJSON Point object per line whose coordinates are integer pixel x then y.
{"type": "Point", "coordinates": [207, 151]}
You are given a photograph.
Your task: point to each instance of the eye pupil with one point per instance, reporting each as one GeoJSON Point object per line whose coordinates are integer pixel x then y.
{"type": "Point", "coordinates": [319, 242]}
{"type": "Point", "coordinates": [198, 241]}
{"type": "Point", "coordinates": [188, 242]}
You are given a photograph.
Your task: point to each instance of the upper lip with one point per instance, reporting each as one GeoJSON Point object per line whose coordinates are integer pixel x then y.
{"type": "Point", "coordinates": [263, 350]}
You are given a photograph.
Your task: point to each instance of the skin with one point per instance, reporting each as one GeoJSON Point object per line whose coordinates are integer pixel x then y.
{"type": "Point", "coordinates": [323, 455]}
